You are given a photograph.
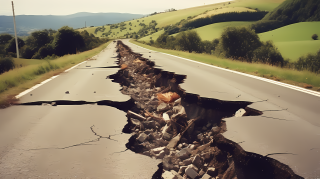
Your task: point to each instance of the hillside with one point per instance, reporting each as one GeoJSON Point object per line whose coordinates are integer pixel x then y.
{"type": "Point", "coordinates": [26, 23]}
{"type": "Point", "coordinates": [162, 20]}
{"type": "Point", "coordinates": [294, 40]}
{"type": "Point", "coordinates": [262, 5]}
{"type": "Point", "coordinates": [292, 11]}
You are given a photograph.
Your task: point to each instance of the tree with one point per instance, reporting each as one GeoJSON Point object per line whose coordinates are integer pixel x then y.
{"type": "Point", "coordinates": [314, 37]}
{"type": "Point", "coordinates": [11, 46]}
{"type": "Point", "coordinates": [239, 41]}
{"type": "Point", "coordinates": [41, 38]}
{"type": "Point", "coordinates": [189, 41]}
{"type": "Point", "coordinates": [67, 41]}
{"type": "Point", "coordinates": [6, 64]}
{"type": "Point", "coordinates": [5, 38]}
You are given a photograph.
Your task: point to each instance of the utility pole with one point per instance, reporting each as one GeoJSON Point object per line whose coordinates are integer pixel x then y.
{"type": "Point", "coordinates": [15, 31]}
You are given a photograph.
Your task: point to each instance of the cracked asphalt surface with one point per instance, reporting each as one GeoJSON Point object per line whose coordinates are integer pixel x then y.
{"type": "Point", "coordinates": [85, 141]}
{"type": "Point", "coordinates": [71, 141]}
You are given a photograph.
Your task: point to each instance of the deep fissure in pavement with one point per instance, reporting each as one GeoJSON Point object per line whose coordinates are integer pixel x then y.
{"type": "Point", "coordinates": [184, 129]}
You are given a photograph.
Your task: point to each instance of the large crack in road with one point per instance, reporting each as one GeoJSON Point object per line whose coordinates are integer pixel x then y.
{"type": "Point", "coordinates": [182, 129]}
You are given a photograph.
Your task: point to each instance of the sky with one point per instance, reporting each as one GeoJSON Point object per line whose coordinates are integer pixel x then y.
{"type": "Point", "coordinates": [66, 7]}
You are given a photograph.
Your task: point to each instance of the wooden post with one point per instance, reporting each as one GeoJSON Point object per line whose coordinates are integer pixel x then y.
{"type": "Point", "coordinates": [15, 31]}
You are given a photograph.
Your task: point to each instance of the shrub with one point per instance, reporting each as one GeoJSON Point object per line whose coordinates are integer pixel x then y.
{"type": "Point", "coordinates": [314, 37]}
{"type": "Point", "coordinates": [27, 52]}
{"type": "Point", "coordinates": [268, 53]}
{"type": "Point", "coordinates": [11, 46]}
{"type": "Point", "coordinates": [239, 42]}
{"type": "Point", "coordinates": [190, 41]}
{"type": "Point", "coordinates": [6, 64]}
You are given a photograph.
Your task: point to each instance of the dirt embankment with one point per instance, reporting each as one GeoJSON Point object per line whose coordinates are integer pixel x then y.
{"type": "Point", "coordinates": [184, 129]}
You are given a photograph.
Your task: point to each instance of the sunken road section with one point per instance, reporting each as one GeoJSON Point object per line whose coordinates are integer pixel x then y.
{"type": "Point", "coordinates": [184, 129]}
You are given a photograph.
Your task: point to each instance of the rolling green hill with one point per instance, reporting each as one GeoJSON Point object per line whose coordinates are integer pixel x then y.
{"type": "Point", "coordinates": [292, 11]}
{"type": "Point", "coordinates": [294, 40]}
{"type": "Point", "coordinates": [262, 5]}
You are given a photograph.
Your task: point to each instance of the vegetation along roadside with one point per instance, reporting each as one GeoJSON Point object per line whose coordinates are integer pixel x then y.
{"type": "Point", "coordinates": [29, 72]}
{"type": "Point", "coordinates": [301, 78]}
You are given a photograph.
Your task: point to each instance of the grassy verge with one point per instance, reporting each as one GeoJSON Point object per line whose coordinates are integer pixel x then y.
{"type": "Point", "coordinates": [33, 72]}
{"type": "Point", "coordinates": [304, 79]}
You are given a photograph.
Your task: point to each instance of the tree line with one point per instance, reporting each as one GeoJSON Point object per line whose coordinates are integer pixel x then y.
{"type": "Point", "coordinates": [236, 43]}
{"type": "Point", "coordinates": [46, 43]}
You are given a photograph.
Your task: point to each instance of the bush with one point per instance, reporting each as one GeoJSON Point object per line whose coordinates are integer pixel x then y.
{"type": "Point", "coordinates": [239, 42]}
{"type": "Point", "coordinates": [27, 52]}
{"type": "Point", "coordinates": [6, 64]}
{"type": "Point", "coordinates": [189, 41]}
{"type": "Point", "coordinates": [67, 41]}
{"type": "Point", "coordinates": [11, 46]}
{"type": "Point", "coordinates": [314, 37]}
{"type": "Point", "coordinates": [5, 38]}
{"type": "Point", "coordinates": [268, 53]}
{"type": "Point", "coordinates": [311, 62]}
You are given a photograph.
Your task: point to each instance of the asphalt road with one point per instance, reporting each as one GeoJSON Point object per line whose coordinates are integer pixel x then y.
{"type": "Point", "coordinates": [288, 130]}
{"type": "Point", "coordinates": [78, 141]}
{"type": "Point", "coordinates": [74, 142]}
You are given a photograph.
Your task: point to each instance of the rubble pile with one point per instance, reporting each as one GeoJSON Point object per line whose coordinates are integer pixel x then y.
{"type": "Point", "coordinates": [180, 128]}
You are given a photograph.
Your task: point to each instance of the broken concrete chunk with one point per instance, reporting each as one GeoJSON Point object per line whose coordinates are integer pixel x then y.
{"type": "Point", "coordinates": [194, 167]}
{"type": "Point", "coordinates": [206, 176]}
{"type": "Point", "coordinates": [160, 155]}
{"type": "Point", "coordinates": [197, 161]}
{"type": "Point", "coordinates": [177, 102]}
{"type": "Point", "coordinates": [184, 153]}
{"type": "Point", "coordinates": [240, 113]}
{"type": "Point", "coordinates": [165, 129]}
{"type": "Point", "coordinates": [215, 129]}
{"type": "Point", "coordinates": [208, 125]}
{"type": "Point", "coordinates": [186, 162]}
{"type": "Point", "coordinates": [173, 142]}
{"type": "Point", "coordinates": [212, 172]}
{"type": "Point", "coordinates": [168, 175]}
{"type": "Point", "coordinates": [163, 107]}
{"type": "Point", "coordinates": [191, 172]}
{"type": "Point", "coordinates": [142, 137]}
{"type": "Point", "coordinates": [182, 170]}
{"type": "Point", "coordinates": [176, 174]}
{"type": "Point", "coordinates": [178, 111]}
{"type": "Point", "coordinates": [204, 128]}
{"type": "Point", "coordinates": [167, 136]}
{"type": "Point", "coordinates": [166, 117]}
{"type": "Point", "coordinates": [157, 150]}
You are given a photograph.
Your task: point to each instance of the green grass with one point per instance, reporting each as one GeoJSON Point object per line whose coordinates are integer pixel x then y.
{"type": "Point", "coordinates": [263, 5]}
{"type": "Point", "coordinates": [223, 10]}
{"type": "Point", "coordinates": [286, 75]}
{"type": "Point", "coordinates": [34, 71]}
{"type": "Point", "coordinates": [213, 31]}
{"type": "Point", "coordinates": [163, 19]}
{"type": "Point", "coordinates": [294, 40]}
{"type": "Point", "coordinates": [154, 36]}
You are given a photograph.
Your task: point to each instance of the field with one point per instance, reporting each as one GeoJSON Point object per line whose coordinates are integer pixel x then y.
{"type": "Point", "coordinates": [294, 40]}
{"type": "Point", "coordinates": [263, 5]}
{"type": "Point", "coordinates": [34, 71]}
{"type": "Point", "coordinates": [213, 31]}
{"type": "Point", "coordinates": [223, 10]}
{"type": "Point", "coordinates": [154, 36]}
{"type": "Point", "coordinates": [298, 78]}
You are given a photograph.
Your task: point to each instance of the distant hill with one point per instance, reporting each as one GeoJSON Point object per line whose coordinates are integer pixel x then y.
{"type": "Point", "coordinates": [293, 11]}
{"type": "Point", "coordinates": [26, 23]}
